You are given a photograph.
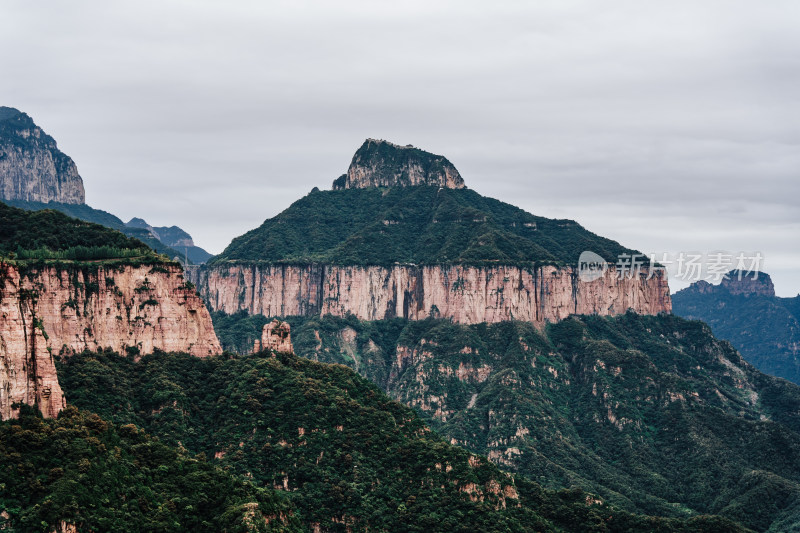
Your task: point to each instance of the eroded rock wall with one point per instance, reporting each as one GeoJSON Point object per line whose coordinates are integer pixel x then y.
{"type": "Point", "coordinates": [464, 294]}
{"type": "Point", "coordinates": [27, 370]}
{"type": "Point", "coordinates": [49, 311]}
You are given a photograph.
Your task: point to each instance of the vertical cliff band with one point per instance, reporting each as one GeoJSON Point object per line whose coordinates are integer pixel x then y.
{"type": "Point", "coordinates": [464, 294]}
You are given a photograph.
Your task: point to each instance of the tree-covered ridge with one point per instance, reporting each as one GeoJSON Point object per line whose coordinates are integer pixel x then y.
{"type": "Point", "coordinates": [652, 413]}
{"type": "Point", "coordinates": [82, 471]}
{"type": "Point", "coordinates": [52, 235]}
{"type": "Point", "coordinates": [420, 225]}
{"type": "Point", "coordinates": [346, 456]}
{"type": "Point", "coordinates": [765, 328]}
{"type": "Point", "coordinates": [104, 218]}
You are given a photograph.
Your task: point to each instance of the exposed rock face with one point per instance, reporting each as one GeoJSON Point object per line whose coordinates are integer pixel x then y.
{"type": "Point", "coordinates": [275, 336]}
{"type": "Point", "coordinates": [27, 369]}
{"type": "Point", "coordinates": [464, 294]}
{"type": "Point", "coordinates": [380, 163]}
{"type": "Point", "coordinates": [32, 168]}
{"type": "Point", "coordinates": [55, 311]}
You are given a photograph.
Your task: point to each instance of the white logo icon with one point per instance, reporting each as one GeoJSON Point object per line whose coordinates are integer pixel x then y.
{"type": "Point", "coordinates": [591, 266]}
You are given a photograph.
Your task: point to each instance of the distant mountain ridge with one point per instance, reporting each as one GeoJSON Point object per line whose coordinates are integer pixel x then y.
{"type": "Point", "coordinates": [36, 175]}
{"type": "Point", "coordinates": [744, 310]}
{"type": "Point", "coordinates": [174, 237]}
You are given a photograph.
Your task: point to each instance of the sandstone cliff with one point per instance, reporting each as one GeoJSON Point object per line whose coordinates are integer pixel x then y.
{"type": "Point", "coordinates": [51, 310]}
{"type": "Point", "coordinates": [465, 294]}
{"type": "Point", "coordinates": [380, 163]}
{"type": "Point", "coordinates": [32, 168]}
{"type": "Point", "coordinates": [27, 370]}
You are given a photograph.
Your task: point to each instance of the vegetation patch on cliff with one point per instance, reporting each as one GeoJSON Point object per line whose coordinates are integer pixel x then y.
{"type": "Point", "coordinates": [97, 216]}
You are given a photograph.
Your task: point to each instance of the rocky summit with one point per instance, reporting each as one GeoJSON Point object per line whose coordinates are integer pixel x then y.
{"type": "Point", "coordinates": [379, 163]}
{"type": "Point", "coordinates": [749, 283]}
{"type": "Point", "coordinates": [32, 168]}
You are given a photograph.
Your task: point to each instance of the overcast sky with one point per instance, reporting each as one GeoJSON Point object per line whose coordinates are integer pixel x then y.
{"type": "Point", "coordinates": [668, 126]}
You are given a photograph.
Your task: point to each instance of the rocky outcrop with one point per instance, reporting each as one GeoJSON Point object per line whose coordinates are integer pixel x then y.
{"type": "Point", "coordinates": [464, 294]}
{"type": "Point", "coordinates": [59, 311]}
{"type": "Point", "coordinates": [379, 163]}
{"type": "Point", "coordinates": [748, 283]}
{"type": "Point", "coordinates": [32, 168]}
{"type": "Point", "coordinates": [276, 336]}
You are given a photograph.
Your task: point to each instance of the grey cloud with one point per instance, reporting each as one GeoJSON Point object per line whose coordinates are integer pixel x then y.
{"type": "Point", "coordinates": [667, 126]}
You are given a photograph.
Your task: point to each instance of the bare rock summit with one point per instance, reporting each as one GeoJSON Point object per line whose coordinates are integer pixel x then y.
{"type": "Point", "coordinates": [379, 163]}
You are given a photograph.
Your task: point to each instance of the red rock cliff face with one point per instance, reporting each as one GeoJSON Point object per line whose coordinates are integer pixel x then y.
{"type": "Point", "coordinates": [465, 294]}
{"type": "Point", "coordinates": [56, 311]}
{"type": "Point", "coordinates": [27, 370]}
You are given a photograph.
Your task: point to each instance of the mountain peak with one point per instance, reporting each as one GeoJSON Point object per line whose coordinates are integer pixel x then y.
{"type": "Point", "coordinates": [749, 283]}
{"type": "Point", "coordinates": [8, 112]}
{"type": "Point", "coordinates": [380, 163]}
{"type": "Point", "coordinates": [737, 282]}
{"type": "Point", "coordinates": [32, 168]}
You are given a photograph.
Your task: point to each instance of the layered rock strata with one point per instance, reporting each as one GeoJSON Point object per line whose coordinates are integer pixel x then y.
{"type": "Point", "coordinates": [129, 309]}
{"type": "Point", "coordinates": [464, 294]}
